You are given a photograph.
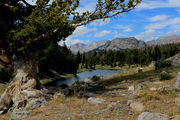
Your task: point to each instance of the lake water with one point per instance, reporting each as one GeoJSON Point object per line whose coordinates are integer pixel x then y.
{"type": "Point", "coordinates": [83, 75]}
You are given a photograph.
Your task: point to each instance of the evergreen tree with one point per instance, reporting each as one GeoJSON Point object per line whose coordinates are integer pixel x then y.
{"type": "Point", "coordinates": [26, 29]}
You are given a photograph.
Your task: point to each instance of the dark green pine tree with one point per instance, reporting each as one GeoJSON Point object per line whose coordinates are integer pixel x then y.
{"type": "Point", "coordinates": [25, 28]}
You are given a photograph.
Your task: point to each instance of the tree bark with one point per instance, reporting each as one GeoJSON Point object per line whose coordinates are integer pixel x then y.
{"type": "Point", "coordinates": [24, 85]}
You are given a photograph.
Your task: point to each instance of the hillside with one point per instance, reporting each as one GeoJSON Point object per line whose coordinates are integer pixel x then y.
{"type": "Point", "coordinates": [127, 95]}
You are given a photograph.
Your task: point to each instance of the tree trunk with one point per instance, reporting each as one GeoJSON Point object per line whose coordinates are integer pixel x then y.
{"type": "Point", "coordinates": [24, 85]}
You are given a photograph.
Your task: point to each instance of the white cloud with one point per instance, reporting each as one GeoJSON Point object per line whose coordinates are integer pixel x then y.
{"type": "Point", "coordinates": [102, 33]}
{"type": "Point", "coordinates": [152, 4]}
{"type": "Point", "coordinates": [128, 30]}
{"type": "Point", "coordinates": [120, 35]}
{"type": "Point", "coordinates": [158, 18]}
{"type": "Point", "coordinates": [100, 22]}
{"type": "Point", "coordinates": [70, 41]}
{"type": "Point", "coordinates": [82, 31]}
{"type": "Point", "coordinates": [178, 11]}
{"type": "Point", "coordinates": [147, 35]}
{"type": "Point", "coordinates": [90, 6]}
{"type": "Point", "coordinates": [160, 25]}
{"type": "Point", "coordinates": [174, 30]}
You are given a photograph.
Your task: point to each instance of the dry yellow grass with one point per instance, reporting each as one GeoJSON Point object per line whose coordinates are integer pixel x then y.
{"type": "Point", "coordinates": [73, 108]}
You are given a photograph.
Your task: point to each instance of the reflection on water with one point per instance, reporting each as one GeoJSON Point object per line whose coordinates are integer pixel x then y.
{"type": "Point", "coordinates": [83, 75]}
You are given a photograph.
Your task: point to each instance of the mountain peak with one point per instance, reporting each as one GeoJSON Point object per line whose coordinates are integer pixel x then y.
{"type": "Point", "coordinates": [165, 40]}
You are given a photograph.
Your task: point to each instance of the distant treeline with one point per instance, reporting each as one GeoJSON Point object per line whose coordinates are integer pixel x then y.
{"type": "Point", "coordinates": [141, 56]}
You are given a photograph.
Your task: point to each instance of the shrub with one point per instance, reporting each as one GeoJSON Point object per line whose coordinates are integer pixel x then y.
{"type": "Point", "coordinates": [164, 76]}
{"type": "Point", "coordinates": [5, 75]}
{"type": "Point", "coordinates": [95, 78]}
{"type": "Point", "coordinates": [162, 64]}
{"type": "Point", "coordinates": [148, 96]}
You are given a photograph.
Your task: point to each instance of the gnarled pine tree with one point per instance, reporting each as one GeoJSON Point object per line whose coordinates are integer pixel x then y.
{"type": "Point", "coordinates": [24, 27]}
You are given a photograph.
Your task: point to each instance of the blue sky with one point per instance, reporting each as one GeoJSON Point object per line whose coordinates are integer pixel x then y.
{"type": "Point", "coordinates": [150, 20]}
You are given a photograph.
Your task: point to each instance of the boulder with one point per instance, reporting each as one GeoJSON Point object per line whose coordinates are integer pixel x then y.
{"type": "Point", "coordinates": [88, 80]}
{"type": "Point", "coordinates": [119, 105]}
{"type": "Point", "coordinates": [114, 105]}
{"type": "Point", "coordinates": [139, 70]}
{"type": "Point", "coordinates": [93, 100]}
{"type": "Point", "coordinates": [81, 88]}
{"type": "Point", "coordinates": [153, 89]}
{"type": "Point", "coordinates": [136, 106]}
{"type": "Point", "coordinates": [131, 88]}
{"type": "Point", "coordinates": [151, 116]}
{"type": "Point", "coordinates": [158, 83]}
{"type": "Point", "coordinates": [35, 103]}
{"type": "Point", "coordinates": [177, 86]}
{"type": "Point", "coordinates": [19, 114]}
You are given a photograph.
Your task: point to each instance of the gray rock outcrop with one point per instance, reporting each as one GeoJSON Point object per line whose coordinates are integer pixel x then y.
{"type": "Point", "coordinates": [93, 100]}
{"type": "Point", "coordinates": [174, 60]}
{"type": "Point", "coordinates": [177, 85]}
{"type": "Point", "coordinates": [151, 116]}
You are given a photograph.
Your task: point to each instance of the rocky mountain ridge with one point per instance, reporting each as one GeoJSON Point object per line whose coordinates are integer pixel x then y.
{"type": "Point", "coordinates": [164, 40]}
{"type": "Point", "coordinates": [123, 44]}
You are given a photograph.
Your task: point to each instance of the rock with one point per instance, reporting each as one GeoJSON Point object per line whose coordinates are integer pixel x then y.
{"type": "Point", "coordinates": [158, 83]}
{"type": "Point", "coordinates": [35, 103]}
{"type": "Point", "coordinates": [174, 60]}
{"type": "Point", "coordinates": [131, 88]}
{"type": "Point", "coordinates": [114, 106]}
{"type": "Point", "coordinates": [129, 102]}
{"type": "Point", "coordinates": [19, 114]}
{"type": "Point", "coordinates": [177, 86]}
{"type": "Point", "coordinates": [90, 95]}
{"type": "Point", "coordinates": [142, 86]}
{"type": "Point", "coordinates": [93, 100]}
{"type": "Point", "coordinates": [124, 81]}
{"type": "Point", "coordinates": [139, 70]}
{"type": "Point", "coordinates": [132, 94]}
{"type": "Point", "coordinates": [58, 95]}
{"type": "Point", "coordinates": [165, 88]}
{"type": "Point", "coordinates": [153, 89]}
{"type": "Point", "coordinates": [136, 106]}
{"type": "Point", "coordinates": [68, 92]}
{"type": "Point", "coordinates": [177, 101]}
{"type": "Point", "coordinates": [118, 105]}
{"type": "Point", "coordinates": [88, 80]}
{"type": "Point", "coordinates": [80, 88]}
{"type": "Point", "coordinates": [151, 116]}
